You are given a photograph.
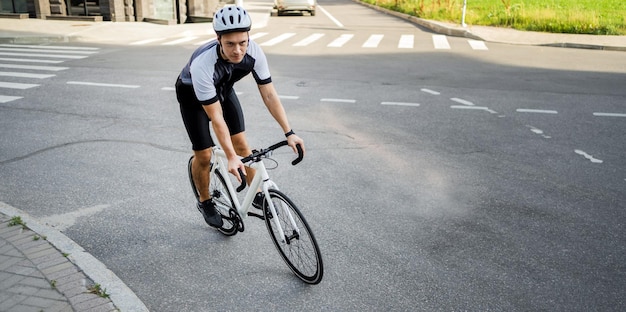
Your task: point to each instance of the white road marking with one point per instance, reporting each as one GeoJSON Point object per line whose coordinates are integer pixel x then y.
{"type": "Point", "coordinates": [46, 51]}
{"type": "Point", "coordinates": [44, 55]}
{"type": "Point", "coordinates": [21, 86]}
{"type": "Point", "coordinates": [338, 100]}
{"type": "Point", "coordinates": [7, 98]}
{"type": "Point", "coordinates": [278, 39]}
{"type": "Point", "coordinates": [430, 91]}
{"type": "Point", "coordinates": [289, 97]}
{"type": "Point", "coordinates": [400, 104]}
{"type": "Point", "coordinates": [538, 131]}
{"type": "Point", "coordinates": [168, 89]}
{"type": "Point", "coordinates": [441, 42]}
{"type": "Point", "coordinates": [339, 24]}
{"type": "Point", "coordinates": [339, 42]}
{"type": "Point", "coordinates": [539, 111]}
{"type": "Point", "coordinates": [7, 59]}
{"type": "Point", "coordinates": [474, 108]}
{"type": "Point", "coordinates": [462, 101]}
{"type": "Point", "coordinates": [591, 158]}
{"type": "Point", "coordinates": [25, 75]}
{"type": "Point", "coordinates": [373, 41]}
{"type": "Point", "coordinates": [308, 40]}
{"type": "Point", "coordinates": [97, 84]}
{"type": "Point", "coordinates": [258, 35]}
{"type": "Point", "coordinates": [146, 41]}
{"type": "Point", "coordinates": [406, 42]}
{"type": "Point", "coordinates": [34, 67]}
{"type": "Point", "coordinates": [477, 44]}
{"type": "Point", "coordinates": [49, 47]}
{"type": "Point", "coordinates": [180, 40]}
{"type": "Point", "coordinates": [609, 115]}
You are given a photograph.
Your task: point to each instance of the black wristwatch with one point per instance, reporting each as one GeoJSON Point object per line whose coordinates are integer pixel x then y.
{"type": "Point", "coordinates": [289, 133]}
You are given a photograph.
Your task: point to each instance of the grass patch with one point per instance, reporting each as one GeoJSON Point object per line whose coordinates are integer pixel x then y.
{"type": "Point", "coordinates": [595, 17]}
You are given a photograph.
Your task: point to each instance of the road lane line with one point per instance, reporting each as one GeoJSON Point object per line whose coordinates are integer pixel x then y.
{"type": "Point", "coordinates": [288, 97]}
{"type": "Point", "coordinates": [146, 41]}
{"type": "Point", "coordinates": [430, 91]}
{"type": "Point", "coordinates": [587, 156]}
{"type": "Point", "coordinates": [44, 55]}
{"type": "Point", "coordinates": [180, 40]}
{"type": "Point", "coordinates": [609, 115]}
{"type": "Point", "coordinates": [400, 104]}
{"type": "Point", "coordinates": [47, 51]}
{"type": "Point", "coordinates": [258, 35]}
{"type": "Point", "coordinates": [39, 47]}
{"type": "Point", "coordinates": [538, 111]}
{"type": "Point", "coordinates": [474, 108]}
{"type": "Point", "coordinates": [338, 100]}
{"type": "Point", "coordinates": [339, 24]}
{"type": "Point", "coordinates": [97, 84]}
{"type": "Point", "coordinates": [462, 101]}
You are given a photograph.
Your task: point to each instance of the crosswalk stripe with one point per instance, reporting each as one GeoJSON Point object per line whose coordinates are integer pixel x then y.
{"type": "Point", "coordinates": [339, 42]}
{"type": "Point", "coordinates": [14, 85]}
{"type": "Point", "coordinates": [33, 67]}
{"type": "Point", "coordinates": [278, 39]}
{"type": "Point", "coordinates": [181, 40]}
{"type": "Point", "coordinates": [406, 42]}
{"type": "Point", "coordinates": [203, 42]}
{"type": "Point", "coordinates": [7, 98]}
{"type": "Point", "coordinates": [38, 47]}
{"type": "Point", "coordinates": [146, 41]}
{"type": "Point", "coordinates": [477, 44]}
{"type": "Point", "coordinates": [308, 40]}
{"type": "Point", "coordinates": [25, 75]}
{"type": "Point", "coordinates": [373, 41]}
{"type": "Point", "coordinates": [441, 42]}
{"type": "Point", "coordinates": [7, 59]}
{"type": "Point", "coordinates": [46, 51]}
{"type": "Point", "coordinates": [257, 35]}
{"type": "Point", "coordinates": [44, 55]}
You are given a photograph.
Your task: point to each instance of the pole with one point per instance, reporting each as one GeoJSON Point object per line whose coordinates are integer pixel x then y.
{"type": "Point", "coordinates": [463, 17]}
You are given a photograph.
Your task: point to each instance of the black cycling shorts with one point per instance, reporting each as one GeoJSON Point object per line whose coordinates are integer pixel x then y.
{"type": "Point", "coordinates": [196, 120]}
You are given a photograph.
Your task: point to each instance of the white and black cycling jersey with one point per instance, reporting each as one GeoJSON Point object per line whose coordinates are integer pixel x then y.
{"type": "Point", "coordinates": [212, 77]}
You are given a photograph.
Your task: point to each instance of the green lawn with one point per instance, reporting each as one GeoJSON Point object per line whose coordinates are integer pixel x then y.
{"type": "Point", "coordinates": [598, 17]}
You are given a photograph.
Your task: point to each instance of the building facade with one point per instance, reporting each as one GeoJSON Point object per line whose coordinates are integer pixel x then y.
{"type": "Point", "coordinates": [158, 11]}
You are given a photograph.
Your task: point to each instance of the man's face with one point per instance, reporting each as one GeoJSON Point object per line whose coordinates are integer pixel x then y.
{"type": "Point", "coordinates": [234, 46]}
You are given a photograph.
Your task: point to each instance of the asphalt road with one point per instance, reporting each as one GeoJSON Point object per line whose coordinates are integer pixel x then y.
{"type": "Point", "coordinates": [435, 179]}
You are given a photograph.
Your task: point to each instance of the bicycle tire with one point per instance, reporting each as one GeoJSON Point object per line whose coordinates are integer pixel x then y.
{"type": "Point", "coordinates": [224, 204]}
{"type": "Point", "coordinates": [301, 253]}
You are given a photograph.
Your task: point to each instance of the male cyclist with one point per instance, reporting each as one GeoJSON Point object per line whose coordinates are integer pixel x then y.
{"type": "Point", "coordinates": [204, 90]}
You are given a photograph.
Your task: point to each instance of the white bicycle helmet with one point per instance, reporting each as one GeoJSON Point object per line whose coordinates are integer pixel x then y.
{"type": "Point", "coordinates": [231, 19]}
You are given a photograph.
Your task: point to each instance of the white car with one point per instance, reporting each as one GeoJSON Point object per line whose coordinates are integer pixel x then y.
{"type": "Point", "coordinates": [282, 6]}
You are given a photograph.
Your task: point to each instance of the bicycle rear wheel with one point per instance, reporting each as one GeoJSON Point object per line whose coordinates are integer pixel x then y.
{"type": "Point", "coordinates": [298, 247]}
{"type": "Point", "coordinates": [223, 204]}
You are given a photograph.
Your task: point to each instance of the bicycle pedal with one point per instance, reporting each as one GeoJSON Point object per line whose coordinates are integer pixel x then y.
{"type": "Point", "coordinates": [252, 214]}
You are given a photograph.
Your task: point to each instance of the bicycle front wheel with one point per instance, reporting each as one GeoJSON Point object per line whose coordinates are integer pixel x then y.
{"type": "Point", "coordinates": [298, 246]}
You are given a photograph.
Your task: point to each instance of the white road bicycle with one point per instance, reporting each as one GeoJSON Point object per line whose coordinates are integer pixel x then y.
{"type": "Point", "coordinates": [286, 225]}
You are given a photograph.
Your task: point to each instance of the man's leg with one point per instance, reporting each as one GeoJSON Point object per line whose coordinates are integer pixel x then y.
{"type": "Point", "coordinates": [200, 170]}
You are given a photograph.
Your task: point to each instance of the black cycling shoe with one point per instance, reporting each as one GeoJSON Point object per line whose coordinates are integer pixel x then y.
{"type": "Point", "coordinates": [210, 214]}
{"type": "Point", "coordinates": [259, 201]}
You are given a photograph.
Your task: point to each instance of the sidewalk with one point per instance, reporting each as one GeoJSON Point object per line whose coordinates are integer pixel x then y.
{"type": "Point", "coordinates": [34, 31]}
{"type": "Point", "coordinates": [43, 270]}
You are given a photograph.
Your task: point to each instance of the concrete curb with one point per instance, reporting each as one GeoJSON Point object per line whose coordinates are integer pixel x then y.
{"type": "Point", "coordinates": [122, 297]}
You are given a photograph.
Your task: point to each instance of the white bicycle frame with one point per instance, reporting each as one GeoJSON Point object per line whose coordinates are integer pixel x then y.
{"type": "Point", "coordinates": [260, 180]}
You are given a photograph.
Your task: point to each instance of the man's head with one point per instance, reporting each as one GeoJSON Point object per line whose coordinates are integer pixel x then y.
{"type": "Point", "coordinates": [231, 24]}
